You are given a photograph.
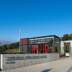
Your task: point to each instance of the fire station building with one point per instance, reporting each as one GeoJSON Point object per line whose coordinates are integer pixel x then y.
{"type": "Point", "coordinates": [40, 45]}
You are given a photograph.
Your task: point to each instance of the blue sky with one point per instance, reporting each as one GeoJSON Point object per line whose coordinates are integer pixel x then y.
{"type": "Point", "coordinates": [34, 18]}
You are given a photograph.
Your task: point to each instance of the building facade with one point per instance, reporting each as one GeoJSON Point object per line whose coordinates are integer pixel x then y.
{"type": "Point", "coordinates": [40, 45]}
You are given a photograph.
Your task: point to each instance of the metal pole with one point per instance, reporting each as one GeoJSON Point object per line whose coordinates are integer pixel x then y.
{"type": "Point", "coordinates": [19, 40]}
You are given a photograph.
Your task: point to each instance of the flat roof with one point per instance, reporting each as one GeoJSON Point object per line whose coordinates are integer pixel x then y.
{"type": "Point", "coordinates": [43, 37]}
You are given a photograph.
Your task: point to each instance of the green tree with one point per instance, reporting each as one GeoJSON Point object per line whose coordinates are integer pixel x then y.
{"type": "Point", "coordinates": [67, 37]}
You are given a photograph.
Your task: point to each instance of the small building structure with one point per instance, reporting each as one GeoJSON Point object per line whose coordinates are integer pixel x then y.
{"type": "Point", "coordinates": [66, 48]}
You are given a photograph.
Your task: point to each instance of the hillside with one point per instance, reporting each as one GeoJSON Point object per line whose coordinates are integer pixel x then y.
{"type": "Point", "coordinates": [9, 48]}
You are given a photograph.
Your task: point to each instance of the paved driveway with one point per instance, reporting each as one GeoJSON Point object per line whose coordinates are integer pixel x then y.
{"type": "Point", "coordinates": [61, 65]}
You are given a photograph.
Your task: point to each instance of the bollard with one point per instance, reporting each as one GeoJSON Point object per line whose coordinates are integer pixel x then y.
{"type": "Point", "coordinates": [1, 62]}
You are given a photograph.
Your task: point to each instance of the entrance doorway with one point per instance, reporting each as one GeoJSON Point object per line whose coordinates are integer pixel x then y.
{"type": "Point", "coordinates": [67, 49]}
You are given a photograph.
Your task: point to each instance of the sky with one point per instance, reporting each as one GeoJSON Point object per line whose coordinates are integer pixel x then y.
{"type": "Point", "coordinates": [31, 18]}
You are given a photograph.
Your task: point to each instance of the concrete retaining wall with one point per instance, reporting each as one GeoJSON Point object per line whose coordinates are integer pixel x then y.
{"type": "Point", "coordinates": [11, 61]}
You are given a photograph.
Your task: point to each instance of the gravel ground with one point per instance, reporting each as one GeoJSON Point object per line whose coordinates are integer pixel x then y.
{"type": "Point", "coordinates": [61, 65]}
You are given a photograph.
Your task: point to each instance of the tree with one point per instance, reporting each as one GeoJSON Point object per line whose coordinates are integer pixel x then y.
{"type": "Point", "coordinates": [67, 37]}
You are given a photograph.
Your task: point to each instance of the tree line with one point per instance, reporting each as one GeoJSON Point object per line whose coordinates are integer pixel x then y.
{"type": "Point", "coordinates": [67, 37]}
{"type": "Point", "coordinates": [11, 46]}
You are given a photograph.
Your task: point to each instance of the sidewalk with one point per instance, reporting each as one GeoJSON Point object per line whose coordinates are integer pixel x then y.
{"type": "Point", "coordinates": [61, 65]}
